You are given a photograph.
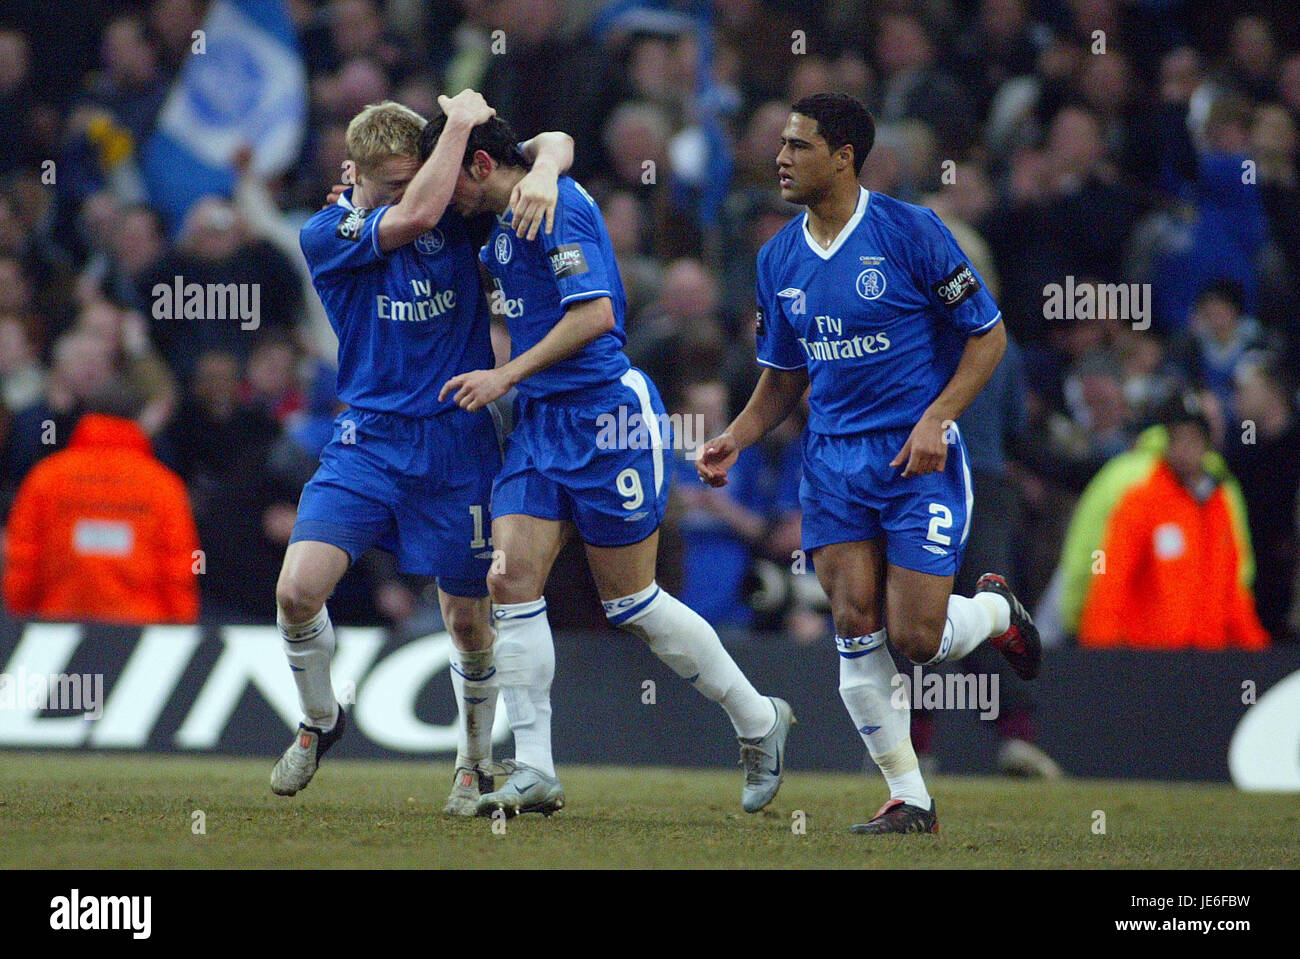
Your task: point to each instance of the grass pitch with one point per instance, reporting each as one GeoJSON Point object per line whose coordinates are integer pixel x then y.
{"type": "Point", "coordinates": [88, 811]}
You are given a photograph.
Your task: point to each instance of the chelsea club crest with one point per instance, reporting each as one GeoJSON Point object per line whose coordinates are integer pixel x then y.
{"type": "Point", "coordinates": [429, 242]}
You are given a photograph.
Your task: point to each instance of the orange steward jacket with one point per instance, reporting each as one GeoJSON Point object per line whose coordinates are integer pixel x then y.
{"type": "Point", "coordinates": [1169, 574]}
{"type": "Point", "coordinates": [102, 531]}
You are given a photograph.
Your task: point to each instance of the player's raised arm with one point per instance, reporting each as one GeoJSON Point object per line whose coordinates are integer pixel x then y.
{"type": "Point", "coordinates": [582, 322]}
{"type": "Point", "coordinates": [774, 398]}
{"type": "Point", "coordinates": [533, 199]}
{"type": "Point", "coordinates": [429, 192]}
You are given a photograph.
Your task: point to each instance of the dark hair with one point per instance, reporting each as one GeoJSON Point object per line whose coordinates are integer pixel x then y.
{"type": "Point", "coordinates": [841, 119]}
{"type": "Point", "coordinates": [1184, 408]}
{"type": "Point", "coordinates": [1229, 291]}
{"type": "Point", "coordinates": [496, 138]}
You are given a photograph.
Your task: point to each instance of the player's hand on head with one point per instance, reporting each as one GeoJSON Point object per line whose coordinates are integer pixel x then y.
{"type": "Point", "coordinates": [926, 449]}
{"type": "Point", "coordinates": [532, 203]}
{"type": "Point", "coordinates": [475, 389]}
{"type": "Point", "coordinates": [468, 104]}
{"type": "Point", "coordinates": [716, 457]}
{"type": "Point", "coordinates": [347, 179]}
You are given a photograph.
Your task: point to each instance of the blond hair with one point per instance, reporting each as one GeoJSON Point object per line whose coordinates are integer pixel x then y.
{"type": "Point", "coordinates": [383, 130]}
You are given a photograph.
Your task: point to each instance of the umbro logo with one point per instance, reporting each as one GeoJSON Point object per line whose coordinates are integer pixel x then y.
{"type": "Point", "coordinates": [937, 550]}
{"type": "Point", "coordinates": [799, 299]}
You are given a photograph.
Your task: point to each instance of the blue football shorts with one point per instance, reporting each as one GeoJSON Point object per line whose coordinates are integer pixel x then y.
{"type": "Point", "coordinates": [849, 492]}
{"type": "Point", "coordinates": [419, 488]}
{"type": "Point", "coordinates": [597, 458]}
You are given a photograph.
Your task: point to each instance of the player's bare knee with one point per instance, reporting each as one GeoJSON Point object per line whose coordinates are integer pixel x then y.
{"type": "Point", "coordinates": [916, 641]}
{"type": "Point", "coordinates": [853, 620]}
{"type": "Point", "coordinates": [512, 585]}
{"type": "Point", "coordinates": [296, 602]}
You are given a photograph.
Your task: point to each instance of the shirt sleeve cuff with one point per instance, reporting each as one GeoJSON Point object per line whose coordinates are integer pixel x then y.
{"type": "Point", "coordinates": [584, 295]}
{"type": "Point", "coordinates": [987, 326]}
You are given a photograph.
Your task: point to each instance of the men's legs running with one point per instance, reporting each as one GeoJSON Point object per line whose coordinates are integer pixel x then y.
{"type": "Point", "coordinates": [473, 678]}
{"type": "Point", "coordinates": [681, 637]}
{"type": "Point", "coordinates": [928, 625]}
{"type": "Point", "coordinates": [853, 575]}
{"type": "Point", "coordinates": [310, 572]}
{"type": "Point", "coordinates": [688, 645]}
{"type": "Point", "coordinates": [526, 547]}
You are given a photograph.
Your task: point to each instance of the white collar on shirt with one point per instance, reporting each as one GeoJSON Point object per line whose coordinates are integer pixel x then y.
{"type": "Point", "coordinates": [863, 197]}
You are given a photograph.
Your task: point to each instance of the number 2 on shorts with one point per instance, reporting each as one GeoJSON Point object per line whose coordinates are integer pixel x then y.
{"type": "Point", "coordinates": [940, 518]}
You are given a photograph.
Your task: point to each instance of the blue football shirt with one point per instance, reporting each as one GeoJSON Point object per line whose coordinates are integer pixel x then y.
{"type": "Point", "coordinates": [536, 281]}
{"type": "Point", "coordinates": [407, 320]}
{"type": "Point", "coordinates": [879, 320]}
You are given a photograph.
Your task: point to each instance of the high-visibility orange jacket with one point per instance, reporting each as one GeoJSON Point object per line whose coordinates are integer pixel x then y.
{"type": "Point", "coordinates": [102, 531]}
{"type": "Point", "coordinates": [1169, 573]}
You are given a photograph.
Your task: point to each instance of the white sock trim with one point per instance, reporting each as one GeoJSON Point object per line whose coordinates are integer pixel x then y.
{"type": "Point", "coordinates": [855, 646]}
{"type": "Point", "coordinates": [302, 632]}
{"type": "Point", "coordinates": [518, 610]}
{"type": "Point", "coordinates": [475, 665]}
{"type": "Point", "coordinates": [620, 611]}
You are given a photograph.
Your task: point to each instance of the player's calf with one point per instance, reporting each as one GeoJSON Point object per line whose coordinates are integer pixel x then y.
{"type": "Point", "coordinates": [685, 642]}
{"type": "Point", "coordinates": [309, 647]}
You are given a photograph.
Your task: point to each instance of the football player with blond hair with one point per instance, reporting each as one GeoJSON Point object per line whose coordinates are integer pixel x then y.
{"type": "Point", "coordinates": [404, 471]}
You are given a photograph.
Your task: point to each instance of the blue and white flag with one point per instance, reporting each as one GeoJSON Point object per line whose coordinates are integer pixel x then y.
{"type": "Point", "coordinates": [248, 87]}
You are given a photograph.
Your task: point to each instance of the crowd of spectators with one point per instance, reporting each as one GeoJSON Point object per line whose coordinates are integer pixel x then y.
{"type": "Point", "coordinates": [1122, 174]}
